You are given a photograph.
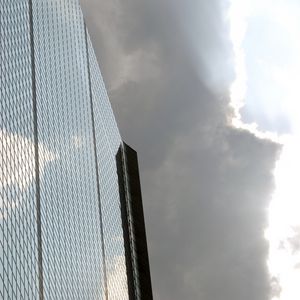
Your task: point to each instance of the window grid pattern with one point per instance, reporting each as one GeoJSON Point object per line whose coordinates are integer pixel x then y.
{"type": "Point", "coordinates": [18, 237]}
{"type": "Point", "coordinates": [108, 141]}
{"type": "Point", "coordinates": [70, 219]}
{"type": "Point", "coordinates": [72, 257]}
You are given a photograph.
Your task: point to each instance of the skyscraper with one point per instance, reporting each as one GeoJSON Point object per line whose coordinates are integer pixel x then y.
{"type": "Point", "coordinates": [71, 216]}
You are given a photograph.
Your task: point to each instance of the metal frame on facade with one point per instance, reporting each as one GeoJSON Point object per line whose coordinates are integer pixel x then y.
{"type": "Point", "coordinates": [137, 258]}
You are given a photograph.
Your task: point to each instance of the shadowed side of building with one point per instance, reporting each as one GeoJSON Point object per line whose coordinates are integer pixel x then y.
{"type": "Point", "coordinates": [137, 259]}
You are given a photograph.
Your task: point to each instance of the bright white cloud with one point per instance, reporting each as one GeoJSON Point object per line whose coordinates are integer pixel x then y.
{"type": "Point", "coordinates": [284, 224]}
{"type": "Point", "coordinates": [77, 141]}
{"type": "Point", "coordinates": [283, 233]}
{"type": "Point", "coordinates": [17, 165]}
{"type": "Point", "coordinates": [238, 15]}
{"type": "Point", "coordinates": [117, 278]}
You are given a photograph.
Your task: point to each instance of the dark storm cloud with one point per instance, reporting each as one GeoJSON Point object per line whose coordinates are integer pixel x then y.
{"type": "Point", "coordinates": [167, 66]}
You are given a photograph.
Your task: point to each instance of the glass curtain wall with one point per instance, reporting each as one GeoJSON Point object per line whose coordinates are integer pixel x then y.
{"type": "Point", "coordinates": [76, 138]}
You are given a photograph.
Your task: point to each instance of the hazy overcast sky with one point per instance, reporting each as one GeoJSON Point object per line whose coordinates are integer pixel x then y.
{"type": "Point", "coordinates": [169, 66]}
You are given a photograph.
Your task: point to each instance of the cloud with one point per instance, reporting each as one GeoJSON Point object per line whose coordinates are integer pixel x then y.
{"type": "Point", "coordinates": [168, 67]}
{"type": "Point", "coordinates": [116, 278]}
{"type": "Point", "coordinates": [17, 167]}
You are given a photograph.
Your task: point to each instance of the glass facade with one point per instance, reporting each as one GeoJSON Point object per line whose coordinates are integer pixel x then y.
{"type": "Point", "coordinates": [62, 233]}
{"type": "Point", "coordinates": [18, 226]}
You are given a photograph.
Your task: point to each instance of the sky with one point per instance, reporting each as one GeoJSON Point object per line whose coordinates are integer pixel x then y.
{"type": "Point", "coordinates": [206, 92]}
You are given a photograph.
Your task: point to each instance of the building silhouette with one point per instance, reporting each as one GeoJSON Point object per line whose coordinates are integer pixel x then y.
{"type": "Point", "coordinates": [71, 215]}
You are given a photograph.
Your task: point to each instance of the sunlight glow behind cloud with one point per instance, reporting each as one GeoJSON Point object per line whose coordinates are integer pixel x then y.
{"type": "Point", "coordinates": [238, 14]}
{"type": "Point", "coordinates": [283, 233]}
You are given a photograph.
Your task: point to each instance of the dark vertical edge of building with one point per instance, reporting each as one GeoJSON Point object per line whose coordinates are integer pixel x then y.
{"type": "Point", "coordinates": [129, 180]}
{"type": "Point", "coordinates": [138, 223]}
{"type": "Point", "coordinates": [96, 164]}
{"type": "Point", "coordinates": [125, 224]}
{"type": "Point", "coordinates": [36, 154]}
